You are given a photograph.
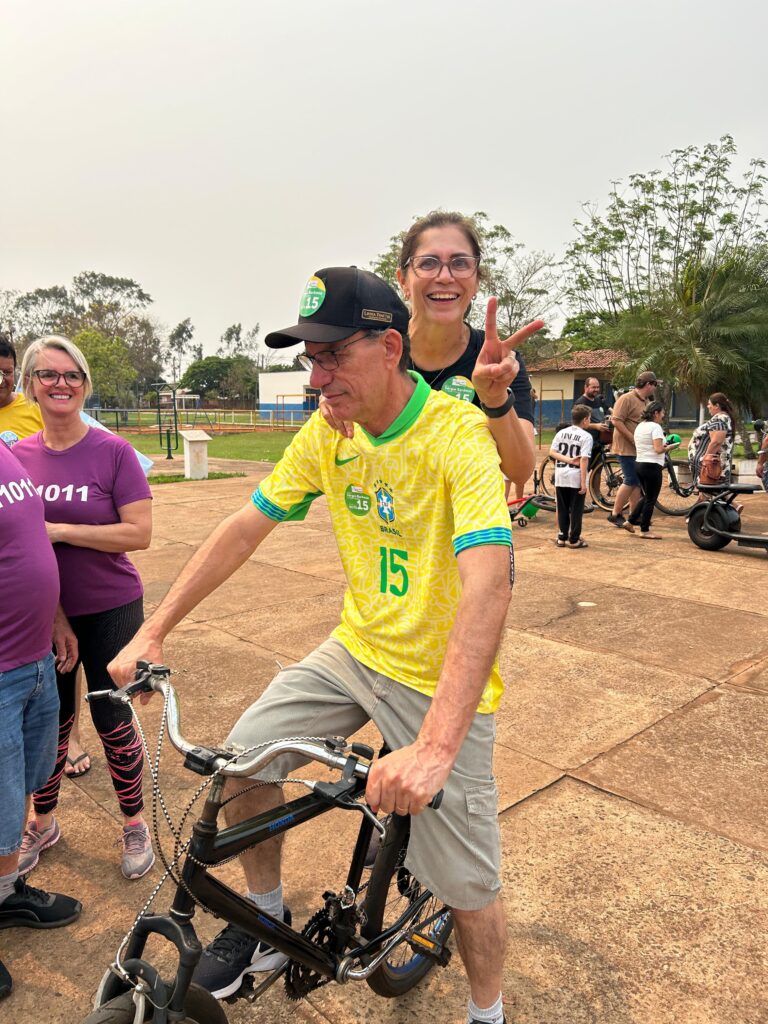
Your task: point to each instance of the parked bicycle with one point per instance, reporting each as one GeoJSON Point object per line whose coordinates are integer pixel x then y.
{"type": "Point", "coordinates": [382, 927]}
{"type": "Point", "coordinates": [677, 497]}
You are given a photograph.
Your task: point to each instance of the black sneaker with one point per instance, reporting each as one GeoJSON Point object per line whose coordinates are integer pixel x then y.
{"type": "Point", "coordinates": [233, 954]}
{"type": "Point", "coordinates": [618, 520]}
{"type": "Point", "coordinates": [6, 982]}
{"type": "Point", "coordinates": [28, 907]}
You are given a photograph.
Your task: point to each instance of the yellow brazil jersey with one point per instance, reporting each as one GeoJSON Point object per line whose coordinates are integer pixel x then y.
{"type": "Point", "coordinates": [403, 505]}
{"type": "Point", "coordinates": [19, 419]}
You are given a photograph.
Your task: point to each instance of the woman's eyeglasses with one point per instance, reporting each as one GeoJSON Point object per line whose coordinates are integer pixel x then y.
{"type": "Point", "coordinates": [430, 266]}
{"type": "Point", "coordinates": [49, 378]}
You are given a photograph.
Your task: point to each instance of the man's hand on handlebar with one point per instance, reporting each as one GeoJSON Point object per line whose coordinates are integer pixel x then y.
{"type": "Point", "coordinates": [123, 667]}
{"type": "Point", "coordinates": [405, 781]}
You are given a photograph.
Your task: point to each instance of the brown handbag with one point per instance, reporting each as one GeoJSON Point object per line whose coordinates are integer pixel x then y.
{"type": "Point", "coordinates": [711, 470]}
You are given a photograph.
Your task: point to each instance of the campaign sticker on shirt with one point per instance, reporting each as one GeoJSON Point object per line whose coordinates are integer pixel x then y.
{"type": "Point", "coordinates": [9, 437]}
{"type": "Point", "coordinates": [459, 387]}
{"type": "Point", "coordinates": [357, 501]}
{"type": "Point", "coordinates": [313, 297]}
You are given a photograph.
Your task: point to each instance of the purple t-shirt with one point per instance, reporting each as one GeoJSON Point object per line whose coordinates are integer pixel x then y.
{"type": "Point", "coordinates": [28, 572]}
{"type": "Point", "coordinates": [86, 484]}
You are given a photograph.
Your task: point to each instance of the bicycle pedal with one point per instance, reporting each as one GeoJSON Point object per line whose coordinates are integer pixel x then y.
{"type": "Point", "coordinates": [428, 947]}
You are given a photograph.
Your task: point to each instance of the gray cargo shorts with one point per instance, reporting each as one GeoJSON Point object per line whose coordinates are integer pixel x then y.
{"type": "Point", "coordinates": [454, 851]}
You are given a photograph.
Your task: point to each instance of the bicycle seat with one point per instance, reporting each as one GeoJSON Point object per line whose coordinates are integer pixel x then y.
{"type": "Point", "coordinates": [733, 488]}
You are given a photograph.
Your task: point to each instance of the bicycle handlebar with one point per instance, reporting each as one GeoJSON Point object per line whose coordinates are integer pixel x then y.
{"type": "Point", "coordinates": [154, 678]}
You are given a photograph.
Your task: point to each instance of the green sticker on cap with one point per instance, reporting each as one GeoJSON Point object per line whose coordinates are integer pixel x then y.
{"type": "Point", "coordinates": [313, 297]}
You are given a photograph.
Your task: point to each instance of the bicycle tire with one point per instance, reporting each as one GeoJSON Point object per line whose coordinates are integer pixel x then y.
{"type": "Point", "coordinates": [403, 968]}
{"type": "Point", "coordinates": [199, 1004]}
{"type": "Point", "coordinates": [604, 481]}
{"type": "Point", "coordinates": [547, 476]}
{"type": "Point", "coordinates": [675, 499]}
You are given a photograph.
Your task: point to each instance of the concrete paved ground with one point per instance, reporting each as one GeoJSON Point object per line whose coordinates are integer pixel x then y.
{"type": "Point", "coordinates": [631, 759]}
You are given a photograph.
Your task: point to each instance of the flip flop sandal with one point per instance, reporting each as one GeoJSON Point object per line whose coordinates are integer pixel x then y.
{"type": "Point", "coordinates": [560, 543]}
{"type": "Point", "coordinates": [578, 544]}
{"type": "Point", "coordinates": [73, 764]}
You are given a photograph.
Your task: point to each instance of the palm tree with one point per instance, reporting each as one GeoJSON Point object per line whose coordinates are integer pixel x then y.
{"type": "Point", "coordinates": [708, 332]}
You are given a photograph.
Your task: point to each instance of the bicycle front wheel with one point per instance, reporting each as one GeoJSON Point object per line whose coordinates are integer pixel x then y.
{"type": "Point", "coordinates": [200, 1008]}
{"type": "Point", "coordinates": [391, 890]}
{"type": "Point", "coordinates": [604, 481]}
{"type": "Point", "coordinates": [547, 476]}
{"type": "Point", "coordinates": [677, 496]}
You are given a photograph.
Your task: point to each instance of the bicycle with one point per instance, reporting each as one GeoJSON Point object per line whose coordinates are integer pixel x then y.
{"type": "Point", "coordinates": [388, 931]}
{"type": "Point", "coordinates": [678, 491]}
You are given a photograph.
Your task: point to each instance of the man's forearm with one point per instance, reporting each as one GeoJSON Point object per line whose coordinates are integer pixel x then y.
{"type": "Point", "coordinates": [623, 431]}
{"type": "Point", "coordinates": [469, 657]}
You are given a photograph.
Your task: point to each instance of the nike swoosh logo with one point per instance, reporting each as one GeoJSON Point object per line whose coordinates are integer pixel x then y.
{"type": "Point", "coordinates": [343, 462]}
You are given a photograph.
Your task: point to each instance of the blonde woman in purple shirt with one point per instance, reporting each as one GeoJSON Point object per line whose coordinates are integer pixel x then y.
{"type": "Point", "coordinates": [97, 506]}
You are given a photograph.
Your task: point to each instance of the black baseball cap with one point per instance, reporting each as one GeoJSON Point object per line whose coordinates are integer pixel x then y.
{"type": "Point", "coordinates": [337, 301]}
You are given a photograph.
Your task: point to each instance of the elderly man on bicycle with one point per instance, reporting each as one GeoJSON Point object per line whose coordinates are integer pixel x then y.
{"type": "Point", "coordinates": [417, 505]}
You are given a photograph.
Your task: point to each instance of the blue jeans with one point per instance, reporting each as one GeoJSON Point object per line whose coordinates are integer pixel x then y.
{"type": "Point", "coordinates": [29, 729]}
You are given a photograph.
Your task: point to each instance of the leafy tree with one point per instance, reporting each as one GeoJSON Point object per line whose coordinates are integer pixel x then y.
{"type": "Point", "coordinates": [112, 371]}
{"type": "Point", "coordinates": [708, 332]}
{"type": "Point", "coordinates": [527, 284]}
{"type": "Point", "coordinates": [663, 223]}
{"type": "Point", "coordinates": [234, 342]}
{"type": "Point", "coordinates": [241, 380]}
{"type": "Point", "coordinates": [206, 374]}
{"type": "Point", "coordinates": [105, 302]}
{"type": "Point", "coordinates": [178, 344]}
{"type": "Point", "coordinates": [39, 312]}
{"type": "Point", "coordinates": [142, 339]}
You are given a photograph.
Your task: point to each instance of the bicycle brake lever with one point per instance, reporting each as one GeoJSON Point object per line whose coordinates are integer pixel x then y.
{"type": "Point", "coordinates": [340, 800]}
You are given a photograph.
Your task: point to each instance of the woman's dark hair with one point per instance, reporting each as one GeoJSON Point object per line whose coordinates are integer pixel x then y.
{"type": "Point", "coordinates": [720, 399]}
{"type": "Point", "coordinates": [442, 219]}
{"type": "Point", "coordinates": [651, 409]}
{"type": "Point", "coordinates": [7, 351]}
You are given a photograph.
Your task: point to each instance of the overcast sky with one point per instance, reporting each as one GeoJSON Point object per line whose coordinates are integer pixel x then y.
{"type": "Point", "coordinates": [219, 153]}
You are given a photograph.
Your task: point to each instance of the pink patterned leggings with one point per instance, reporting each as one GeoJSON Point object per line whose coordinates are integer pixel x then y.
{"type": "Point", "coordinates": [100, 636]}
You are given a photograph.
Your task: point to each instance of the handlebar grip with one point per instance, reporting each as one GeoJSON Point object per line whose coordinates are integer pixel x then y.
{"type": "Point", "coordinates": [436, 800]}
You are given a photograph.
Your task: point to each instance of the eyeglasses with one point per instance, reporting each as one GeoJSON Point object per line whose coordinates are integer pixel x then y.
{"type": "Point", "coordinates": [329, 360]}
{"type": "Point", "coordinates": [49, 378]}
{"type": "Point", "coordinates": [430, 266]}
{"type": "Point", "coordinates": [7, 374]}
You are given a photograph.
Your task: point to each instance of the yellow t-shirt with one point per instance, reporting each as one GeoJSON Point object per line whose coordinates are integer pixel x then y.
{"type": "Point", "coordinates": [403, 505]}
{"type": "Point", "coordinates": [19, 419]}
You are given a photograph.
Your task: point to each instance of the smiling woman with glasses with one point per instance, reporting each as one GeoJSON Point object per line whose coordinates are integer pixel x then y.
{"type": "Point", "coordinates": [97, 507]}
{"type": "Point", "coordinates": [440, 271]}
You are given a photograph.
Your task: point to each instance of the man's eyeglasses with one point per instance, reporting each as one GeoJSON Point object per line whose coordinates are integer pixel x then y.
{"type": "Point", "coordinates": [430, 266]}
{"type": "Point", "coordinates": [8, 374]}
{"type": "Point", "coordinates": [329, 360]}
{"type": "Point", "coordinates": [49, 378]}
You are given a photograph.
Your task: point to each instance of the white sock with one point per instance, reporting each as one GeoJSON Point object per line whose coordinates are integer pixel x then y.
{"type": "Point", "coordinates": [7, 883]}
{"type": "Point", "coordinates": [492, 1015]}
{"type": "Point", "coordinates": [269, 902]}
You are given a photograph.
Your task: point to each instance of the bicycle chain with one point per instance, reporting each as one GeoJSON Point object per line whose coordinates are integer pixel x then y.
{"type": "Point", "coordinates": [301, 980]}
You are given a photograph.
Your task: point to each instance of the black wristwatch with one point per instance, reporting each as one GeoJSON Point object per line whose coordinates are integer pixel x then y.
{"type": "Point", "coordinates": [499, 410]}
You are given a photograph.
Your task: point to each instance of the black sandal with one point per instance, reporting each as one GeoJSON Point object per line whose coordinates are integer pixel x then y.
{"type": "Point", "coordinates": [578, 544]}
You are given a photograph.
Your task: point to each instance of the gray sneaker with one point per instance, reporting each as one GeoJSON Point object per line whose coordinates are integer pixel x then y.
{"type": "Point", "coordinates": [34, 842]}
{"type": "Point", "coordinates": [138, 855]}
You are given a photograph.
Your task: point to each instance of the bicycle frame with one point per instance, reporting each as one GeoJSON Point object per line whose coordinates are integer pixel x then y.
{"type": "Point", "coordinates": [211, 846]}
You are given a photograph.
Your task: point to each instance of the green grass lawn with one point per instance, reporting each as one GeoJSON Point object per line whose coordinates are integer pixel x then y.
{"type": "Point", "coordinates": [262, 446]}
{"type": "Point", "coordinates": [179, 478]}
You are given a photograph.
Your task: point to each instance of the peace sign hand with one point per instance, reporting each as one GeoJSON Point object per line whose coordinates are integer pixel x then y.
{"type": "Point", "coordinates": [496, 366]}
